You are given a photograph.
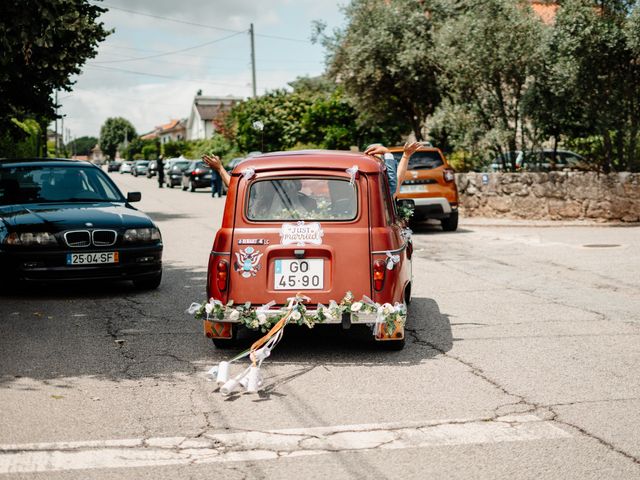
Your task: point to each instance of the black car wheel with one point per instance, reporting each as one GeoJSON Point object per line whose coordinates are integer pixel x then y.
{"type": "Point", "coordinates": [148, 283]}
{"type": "Point", "coordinates": [192, 186]}
{"type": "Point", "coordinates": [450, 224]}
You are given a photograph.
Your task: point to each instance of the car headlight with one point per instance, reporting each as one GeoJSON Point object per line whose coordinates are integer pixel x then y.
{"type": "Point", "coordinates": [30, 239]}
{"type": "Point", "coordinates": [142, 235]}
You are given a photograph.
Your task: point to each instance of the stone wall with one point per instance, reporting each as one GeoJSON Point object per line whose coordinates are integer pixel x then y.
{"type": "Point", "coordinates": [551, 196]}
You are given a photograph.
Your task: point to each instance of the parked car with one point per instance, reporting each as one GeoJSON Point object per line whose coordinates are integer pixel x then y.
{"type": "Point", "coordinates": [430, 186]}
{"type": "Point", "coordinates": [196, 175]}
{"type": "Point", "coordinates": [538, 161]}
{"type": "Point", "coordinates": [303, 223]}
{"type": "Point", "coordinates": [140, 167]}
{"type": "Point", "coordinates": [126, 167]}
{"type": "Point", "coordinates": [152, 168]}
{"type": "Point", "coordinates": [67, 220]}
{"type": "Point", "coordinates": [113, 167]}
{"type": "Point", "coordinates": [233, 163]}
{"type": "Point", "coordinates": [173, 176]}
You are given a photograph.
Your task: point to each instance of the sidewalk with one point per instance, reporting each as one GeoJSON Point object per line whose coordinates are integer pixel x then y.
{"type": "Point", "coordinates": [513, 222]}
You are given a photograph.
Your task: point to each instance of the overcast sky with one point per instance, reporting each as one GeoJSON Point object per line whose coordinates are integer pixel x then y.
{"type": "Point", "coordinates": [133, 77]}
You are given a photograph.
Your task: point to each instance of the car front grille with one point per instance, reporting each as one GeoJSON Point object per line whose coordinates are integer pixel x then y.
{"type": "Point", "coordinates": [78, 238]}
{"type": "Point", "coordinates": [103, 238]}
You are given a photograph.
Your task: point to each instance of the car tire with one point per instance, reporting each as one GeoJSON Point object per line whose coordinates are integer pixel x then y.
{"type": "Point", "coordinates": [227, 343]}
{"type": "Point", "coordinates": [450, 224]}
{"type": "Point", "coordinates": [192, 187]}
{"type": "Point", "coordinates": [392, 345]}
{"type": "Point", "coordinates": [148, 283]}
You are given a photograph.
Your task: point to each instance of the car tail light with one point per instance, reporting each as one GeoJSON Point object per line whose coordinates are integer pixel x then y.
{"type": "Point", "coordinates": [379, 270]}
{"type": "Point", "coordinates": [449, 175]}
{"type": "Point", "coordinates": [222, 274]}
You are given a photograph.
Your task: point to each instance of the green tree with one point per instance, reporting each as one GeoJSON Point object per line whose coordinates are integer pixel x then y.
{"type": "Point", "coordinates": [385, 60]}
{"type": "Point", "coordinates": [27, 144]}
{"type": "Point", "coordinates": [174, 149]}
{"type": "Point", "coordinates": [281, 114]}
{"type": "Point", "coordinates": [82, 145]}
{"type": "Point", "coordinates": [489, 52]}
{"type": "Point", "coordinates": [114, 132]}
{"type": "Point", "coordinates": [42, 44]}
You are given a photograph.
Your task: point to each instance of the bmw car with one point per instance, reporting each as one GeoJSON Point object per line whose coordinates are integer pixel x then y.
{"type": "Point", "coordinates": [66, 220]}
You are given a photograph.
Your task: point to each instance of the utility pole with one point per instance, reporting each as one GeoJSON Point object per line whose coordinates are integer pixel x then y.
{"type": "Point", "coordinates": [253, 61]}
{"type": "Point", "coordinates": [55, 136]}
{"type": "Point", "coordinates": [62, 132]}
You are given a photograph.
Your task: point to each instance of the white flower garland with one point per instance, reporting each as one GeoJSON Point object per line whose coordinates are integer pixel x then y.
{"type": "Point", "coordinates": [257, 318]}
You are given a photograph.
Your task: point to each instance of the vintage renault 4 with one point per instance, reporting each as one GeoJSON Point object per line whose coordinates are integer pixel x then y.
{"type": "Point", "coordinates": [318, 225]}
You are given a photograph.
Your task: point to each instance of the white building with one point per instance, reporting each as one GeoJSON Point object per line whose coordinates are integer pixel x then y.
{"type": "Point", "coordinates": [205, 111]}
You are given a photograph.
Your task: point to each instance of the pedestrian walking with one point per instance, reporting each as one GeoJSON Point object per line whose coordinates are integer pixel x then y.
{"type": "Point", "coordinates": [216, 183]}
{"type": "Point", "coordinates": [160, 167]}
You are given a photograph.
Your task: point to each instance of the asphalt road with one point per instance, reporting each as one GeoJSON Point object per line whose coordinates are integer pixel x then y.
{"type": "Point", "coordinates": [522, 361]}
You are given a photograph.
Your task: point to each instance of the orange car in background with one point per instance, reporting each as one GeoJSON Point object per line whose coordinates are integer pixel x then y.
{"type": "Point", "coordinates": [430, 184]}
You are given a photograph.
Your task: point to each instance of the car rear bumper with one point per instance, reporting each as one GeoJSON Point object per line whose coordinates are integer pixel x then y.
{"type": "Point", "coordinates": [432, 207]}
{"type": "Point", "coordinates": [134, 263]}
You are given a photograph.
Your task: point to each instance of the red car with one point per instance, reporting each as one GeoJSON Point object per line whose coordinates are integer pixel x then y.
{"type": "Point", "coordinates": [317, 223]}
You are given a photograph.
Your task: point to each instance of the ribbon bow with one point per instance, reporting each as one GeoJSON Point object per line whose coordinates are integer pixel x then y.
{"type": "Point", "coordinates": [353, 171]}
{"type": "Point", "coordinates": [248, 173]}
{"type": "Point", "coordinates": [392, 260]}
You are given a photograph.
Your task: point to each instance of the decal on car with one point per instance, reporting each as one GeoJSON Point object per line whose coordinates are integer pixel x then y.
{"type": "Point", "coordinates": [253, 241]}
{"type": "Point", "coordinates": [248, 262]}
{"type": "Point", "coordinates": [300, 233]}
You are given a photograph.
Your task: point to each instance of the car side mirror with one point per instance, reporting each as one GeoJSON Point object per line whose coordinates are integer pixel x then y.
{"type": "Point", "coordinates": [134, 197]}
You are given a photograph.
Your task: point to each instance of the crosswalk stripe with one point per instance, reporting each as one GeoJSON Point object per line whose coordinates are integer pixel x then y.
{"type": "Point", "coordinates": [270, 444]}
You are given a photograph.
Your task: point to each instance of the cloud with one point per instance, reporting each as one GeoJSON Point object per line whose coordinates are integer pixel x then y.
{"type": "Point", "coordinates": [150, 91]}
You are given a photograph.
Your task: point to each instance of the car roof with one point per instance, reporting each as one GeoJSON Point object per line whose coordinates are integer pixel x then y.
{"type": "Point", "coordinates": [420, 149]}
{"type": "Point", "coordinates": [56, 162]}
{"type": "Point", "coordinates": [311, 159]}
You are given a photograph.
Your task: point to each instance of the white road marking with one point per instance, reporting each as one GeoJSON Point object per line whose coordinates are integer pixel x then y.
{"type": "Point", "coordinates": [268, 445]}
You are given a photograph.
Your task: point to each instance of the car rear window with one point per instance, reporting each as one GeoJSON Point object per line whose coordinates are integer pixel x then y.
{"type": "Point", "coordinates": [325, 199]}
{"type": "Point", "coordinates": [422, 160]}
{"type": "Point", "coordinates": [43, 184]}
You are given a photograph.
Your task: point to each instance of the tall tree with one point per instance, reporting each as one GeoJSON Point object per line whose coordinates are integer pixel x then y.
{"type": "Point", "coordinates": [42, 44]}
{"type": "Point", "coordinates": [489, 52]}
{"type": "Point", "coordinates": [115, 132]}
{"type": "Point", "coordinates": [384, 59]}
{"type": "Point", "coordinates": [82, 145]}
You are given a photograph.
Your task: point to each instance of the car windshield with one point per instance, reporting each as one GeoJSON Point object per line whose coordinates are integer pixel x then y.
{"type": "Point", "coordinates": [44, 184]}
{"type": "Point", "coordinates": [422, 160]}
{"type": "Point", "coordinates": [179, 165]}
{"type": "Point", "coordinates": [302, 199]}
{"type": "Point", "coordinates": [142, 162]}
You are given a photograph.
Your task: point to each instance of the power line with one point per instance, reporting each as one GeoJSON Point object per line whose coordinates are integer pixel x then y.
{"type": "Point", "coordinates": [102, 94]}
{"type": "Point", "coordinates": [228, 59]}
{"type": "Point", "coordinates": [193, 80]}
{"type": "Point", "coordinates": [159, 17]}
{"type": "Point", "coordinates": [186, 22]}
{"type": "Point", "coordinates": [172, 52]}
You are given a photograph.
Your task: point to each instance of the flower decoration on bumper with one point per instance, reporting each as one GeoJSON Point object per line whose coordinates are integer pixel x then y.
{"type": "Point", "coordinates": [263, 318]}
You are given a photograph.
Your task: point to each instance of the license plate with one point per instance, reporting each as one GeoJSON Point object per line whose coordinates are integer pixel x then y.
{"type": "Point", "coordinates": [299, 274]}
{"type": "Point", "coordinates": [413, 188]}
{"type": "Point", "coordinates": [92, 258]}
